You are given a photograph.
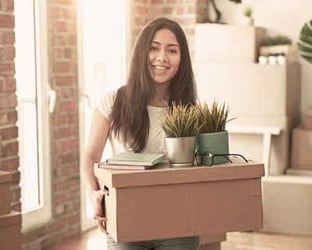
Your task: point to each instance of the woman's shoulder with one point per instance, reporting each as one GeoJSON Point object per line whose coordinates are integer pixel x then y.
{"type": "Point", "coordinates": [106, 101]}
{"type": "Point", "coordinates": [110, 96]}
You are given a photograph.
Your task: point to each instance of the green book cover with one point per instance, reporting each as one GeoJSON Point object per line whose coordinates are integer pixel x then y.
{"type": "Point", "coordinates": [141, 159]}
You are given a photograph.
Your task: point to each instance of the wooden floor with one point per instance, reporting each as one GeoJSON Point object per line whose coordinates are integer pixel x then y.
{"type": "Point", "coordinates": [94, 240]}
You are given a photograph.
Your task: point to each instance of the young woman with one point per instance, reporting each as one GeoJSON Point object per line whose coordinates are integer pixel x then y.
{"type": "Point", "coordinates": [160, 74]}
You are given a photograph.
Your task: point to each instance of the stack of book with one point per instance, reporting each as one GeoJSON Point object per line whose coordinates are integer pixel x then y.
{"type": "Point", "coordinates": [132, 161]}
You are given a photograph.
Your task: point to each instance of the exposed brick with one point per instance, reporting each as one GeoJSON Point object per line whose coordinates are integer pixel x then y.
{"type": "Point", "coordinates": [9, 148]}
{"type": "Point", "coordinates": [12, 116]}
{"type": "Point", "coordinates": [8, 101]}
{"type": "Point", "coordinates": [10, 85]}
{"type": "Point", "coordinates": [157, 1]}
{"type": "Point", "coordinates": [62, 67]}
{"type": "Point", "coordinates": [67, 106]}
{"type": "Point", "coordinates": [60, 27]}
{"type": "Point", "coordinates": [8, 133]}
{"type": "Point", "coordinates": [9, 163]}
{"type": "Point", "coordinates": [6, 68]}
{"type": "Point", "coordinates": [8, 37]}
{"type": "Point", "coordinates": [64, 80]}
{"type": "Point", "coordinates": [7, 5]}
{"type": "Point", "coordinates": [6, 21]}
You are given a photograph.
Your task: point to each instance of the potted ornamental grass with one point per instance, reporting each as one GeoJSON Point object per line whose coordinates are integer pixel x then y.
{"type": "Point", "coordinates": [213, 136]}
{"type": "Point", "coordinates": [180, 125]}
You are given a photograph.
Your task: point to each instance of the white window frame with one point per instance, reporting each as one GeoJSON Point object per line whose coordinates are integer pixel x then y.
{"type": "Point", "coordinates": [42, 214]}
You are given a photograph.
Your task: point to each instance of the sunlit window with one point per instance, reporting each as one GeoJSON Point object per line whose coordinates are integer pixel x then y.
{"type": "Point", "coordinates": [103, 55]}
{"type": "Point", "coordinates": [31, 83]}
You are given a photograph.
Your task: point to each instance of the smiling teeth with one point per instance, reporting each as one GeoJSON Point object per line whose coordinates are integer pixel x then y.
{"type": "Point", "coordinates": [160, 67]}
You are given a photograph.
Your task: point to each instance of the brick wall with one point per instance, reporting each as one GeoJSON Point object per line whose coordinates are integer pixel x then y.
{"type": "Point", "coordinates": [8, 100]}
{"type": "Point", "coordinates": [65, 181]}
{"type": "Point", "coordinates": [182, 11]}
{"type": "Point", "coordinates": [185, 12]}
{"type": "Point", "coordinates": [62, 51]}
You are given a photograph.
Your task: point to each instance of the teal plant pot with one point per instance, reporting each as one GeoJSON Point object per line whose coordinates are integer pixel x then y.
{"type": "Point", "coordinates": [217, 143]}
{"type": "Point", "coordinates": [180, 151]}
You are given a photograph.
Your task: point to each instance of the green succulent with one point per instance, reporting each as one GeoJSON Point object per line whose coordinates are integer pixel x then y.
{"type": "Point", "coordinates": [212, 119]}
{"type": "Point", "coordinates": [305, 41]}
{"type": "Point", "coordinates": [180, 121]}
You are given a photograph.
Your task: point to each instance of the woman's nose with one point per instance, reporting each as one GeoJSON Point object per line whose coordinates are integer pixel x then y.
{"type": "Point", "coordinates": [162, 57]}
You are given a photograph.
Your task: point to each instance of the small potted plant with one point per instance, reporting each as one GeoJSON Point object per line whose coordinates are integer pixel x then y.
{"type": "Point", "coordinates": [247, 17]}
{"type": "Point", "coordinates": [212, 136]}
{"type": "Point", "coordinates": [277, 45]}
{"type": "Point", "coordinates": [180, 125]}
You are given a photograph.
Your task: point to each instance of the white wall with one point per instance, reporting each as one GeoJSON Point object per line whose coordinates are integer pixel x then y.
{"type": "Point", "coordinates": [282, 17]}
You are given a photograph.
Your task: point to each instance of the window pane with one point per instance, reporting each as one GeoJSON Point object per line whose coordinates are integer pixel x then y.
{"type": "Point", "coordinates": [27, 103]}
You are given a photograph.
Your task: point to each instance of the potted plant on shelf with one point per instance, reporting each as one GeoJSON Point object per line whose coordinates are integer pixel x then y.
{"type": "Point", "coordinates": [212, 136]}
{"type": "Point", "coordinates": [180, 125]}
{"type": "Point", "coordinates": [247, 18]}
{"type": "Point", "coordinates": [277, 46]}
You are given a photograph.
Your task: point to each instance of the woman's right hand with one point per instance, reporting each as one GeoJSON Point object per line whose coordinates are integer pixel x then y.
{"type": "Point", "coordinates": [97, 197]}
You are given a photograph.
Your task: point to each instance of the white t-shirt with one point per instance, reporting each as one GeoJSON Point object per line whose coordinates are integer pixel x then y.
{"type": "Point", "coordinates": [156, 137]}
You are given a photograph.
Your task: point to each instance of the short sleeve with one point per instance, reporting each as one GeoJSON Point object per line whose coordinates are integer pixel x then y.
{"type": "Point", "coordinates": [105, 103]}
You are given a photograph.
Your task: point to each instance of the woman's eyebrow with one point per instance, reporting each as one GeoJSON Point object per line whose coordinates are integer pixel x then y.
{"type": "Point", "coordinates": [170, 44]}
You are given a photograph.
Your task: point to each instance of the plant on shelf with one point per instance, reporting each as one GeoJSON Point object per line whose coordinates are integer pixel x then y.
{"type": "Point", "coordinates": [180, 125]}
{"type": "Point", "coordinates": [276, 40]}
{"type": "Point", "coordinates": [247, 18]}
{"type": "Point", "coordinates": [247, 11]}
{"type": "Point", "coordinates": [305, 41]}
{"type": "Point", "coordinates": [273, 47]}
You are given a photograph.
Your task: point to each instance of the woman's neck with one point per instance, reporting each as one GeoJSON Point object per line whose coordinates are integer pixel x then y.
{"type": "Point", "coordinates": [161, 96]}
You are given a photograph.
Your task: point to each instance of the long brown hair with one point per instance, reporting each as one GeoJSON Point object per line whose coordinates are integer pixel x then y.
{"type": "Point", "coordinates": [129, 113]}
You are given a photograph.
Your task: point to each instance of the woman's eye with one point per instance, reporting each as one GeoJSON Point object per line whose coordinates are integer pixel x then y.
{"type": "Point", "coordinates": [154, 48]}
{"type": "Point", "coordinates": [172, 51]}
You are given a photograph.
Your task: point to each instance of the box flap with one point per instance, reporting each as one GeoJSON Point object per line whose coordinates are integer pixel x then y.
{"type": "Point", "coordinates": [165, 175]}
{"type": "Point", "coordinates": [5, 177]}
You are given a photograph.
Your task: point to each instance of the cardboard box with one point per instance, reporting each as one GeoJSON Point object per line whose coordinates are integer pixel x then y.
{"type": "Point", "coordinates": [5, 204]}
{"type": "Point", "coordinates": [213, 43]}
{"type": "Point", "coordinates": [10, 231]}
{"type": "Point", "coordinates": [301, 149]}
{"type": "Point", "coordinates": [176, 202]}
{"type": "Point", "coordinates": [307, 119]}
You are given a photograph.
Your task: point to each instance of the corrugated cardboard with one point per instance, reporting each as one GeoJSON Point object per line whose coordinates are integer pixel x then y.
{"type": "Point", "coordinates": [10, 231]}
{"type": "Point", "coordinates": [5, 180]}
{"type": "Point", "coordinates": [177, 202]}
{"type": "Point", "coordinates": [301, 156]}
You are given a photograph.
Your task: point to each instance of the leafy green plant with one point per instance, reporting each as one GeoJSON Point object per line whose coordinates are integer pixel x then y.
{"type": "Point", "coordinates": [276, 40]}
{"type": "Point", "coordinates": [180, 121]}
{"type": "Point", "coordinates": [305, 41]}
{"type": "Point", "coordinates": [212, 119]}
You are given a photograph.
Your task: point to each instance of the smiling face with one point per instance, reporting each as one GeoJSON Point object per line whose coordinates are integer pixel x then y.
{"type": "Point", "coordinates": [164, 56]}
